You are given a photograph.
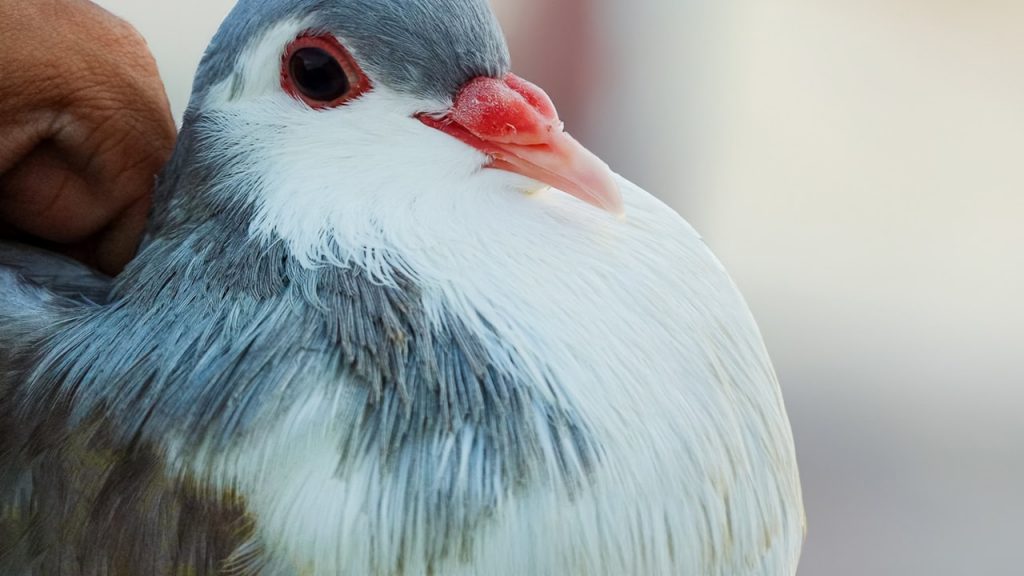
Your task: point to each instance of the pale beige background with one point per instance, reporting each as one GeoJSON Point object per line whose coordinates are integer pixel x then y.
{"type": "Point", "coordinates": [858, 166]}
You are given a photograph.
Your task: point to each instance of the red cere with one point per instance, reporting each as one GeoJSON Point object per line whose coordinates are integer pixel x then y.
{"type": "Point", "coordinates": [534, 95]}
{"type": "Point", "coordinates": [509, 110]}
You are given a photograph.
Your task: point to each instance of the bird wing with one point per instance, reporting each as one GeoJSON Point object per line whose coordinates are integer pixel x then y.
{"type": "Point", "coordinates": [36, 287]}
{"type": "Point", "coordinates": [42, 273]}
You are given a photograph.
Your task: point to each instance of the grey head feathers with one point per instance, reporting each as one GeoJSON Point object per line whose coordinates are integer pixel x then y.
{"type": "Point", "coordinates": [419, 47]}
{"type": "Point", "coordinates": [423, 48]}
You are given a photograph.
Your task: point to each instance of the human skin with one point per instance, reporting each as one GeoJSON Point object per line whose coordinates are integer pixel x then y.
{"type": "Point", "coordinates": [85, 126]}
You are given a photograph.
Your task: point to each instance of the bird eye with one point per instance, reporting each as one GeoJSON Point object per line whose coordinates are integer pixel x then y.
{"type": "Point", "coordinates": [320, 71]}
{"type": "Point", "coordinates": [318, 75]}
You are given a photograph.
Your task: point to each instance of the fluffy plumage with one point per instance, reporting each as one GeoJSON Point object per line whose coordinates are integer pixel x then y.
{"type": "Point", "coordinates": [346, 348]}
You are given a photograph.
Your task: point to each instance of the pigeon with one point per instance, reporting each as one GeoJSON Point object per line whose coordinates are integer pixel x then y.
{"type": "Point", "coordinates": [389, 319]}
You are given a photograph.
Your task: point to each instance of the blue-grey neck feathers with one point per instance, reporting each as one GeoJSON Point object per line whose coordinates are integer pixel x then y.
{"type": "Point", "coordinates": [205, 343]}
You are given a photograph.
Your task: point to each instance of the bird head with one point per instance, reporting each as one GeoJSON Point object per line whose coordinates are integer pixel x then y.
{"type": "Point", "coordinates": [329, 118]}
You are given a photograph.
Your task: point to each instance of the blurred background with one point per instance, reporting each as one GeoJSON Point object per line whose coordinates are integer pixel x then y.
{"type": "Point", "coordinates": [859, 167]}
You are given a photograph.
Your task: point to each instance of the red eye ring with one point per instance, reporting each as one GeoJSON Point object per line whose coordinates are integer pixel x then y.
{"type": "Point", "coordinates": [327, 49]}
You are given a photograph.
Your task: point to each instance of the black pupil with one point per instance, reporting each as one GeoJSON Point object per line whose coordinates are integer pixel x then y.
{"type": "Point", "coordinates": [318, 75]}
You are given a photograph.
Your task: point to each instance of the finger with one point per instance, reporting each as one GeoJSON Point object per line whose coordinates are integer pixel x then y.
{"type": "Point", "coordinates": [46, 197]}
{"type": "Point", "coordinates": [55, 200]}
{"type": "Point", "coordinates": [87, 127]}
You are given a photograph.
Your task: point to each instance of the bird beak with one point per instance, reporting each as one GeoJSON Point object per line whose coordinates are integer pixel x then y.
{"type": "Point", "coordinates": [516, 125]}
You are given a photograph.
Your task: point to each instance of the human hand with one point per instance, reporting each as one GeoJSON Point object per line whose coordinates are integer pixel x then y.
{"type": "Point", "coordinates": [85, 126]}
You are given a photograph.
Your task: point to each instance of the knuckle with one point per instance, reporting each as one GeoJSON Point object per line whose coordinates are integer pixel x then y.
{"type": "Point", "coordinates": [130, 47]}
{"type": "Point", "coordinates": [131, 42]}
